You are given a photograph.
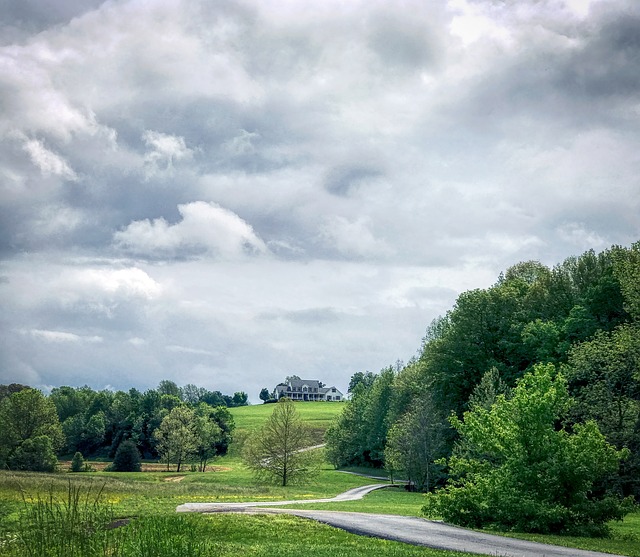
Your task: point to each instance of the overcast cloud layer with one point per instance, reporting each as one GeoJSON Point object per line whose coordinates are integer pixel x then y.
{"type": "Point", "coordinates": [228, 192]}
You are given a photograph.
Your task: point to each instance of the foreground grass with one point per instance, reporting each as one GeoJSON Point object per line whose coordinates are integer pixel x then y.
{"type": "Point", "coordinates": [150, 498]}
{"type": "Point", "coordinates": [154, 493]}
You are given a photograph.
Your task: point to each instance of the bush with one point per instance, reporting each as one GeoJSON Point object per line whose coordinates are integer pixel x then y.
{"type": "Point", "coordinates": [127, 458]}
{"type": "Point", "coordinates": [35, 454]}
{"type": "Point", "coordinates": [514, 469]}
{"type": "Point", "coordinates": [77, 464]}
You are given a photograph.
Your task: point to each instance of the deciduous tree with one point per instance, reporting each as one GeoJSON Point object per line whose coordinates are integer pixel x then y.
{"type": "Point", "coordinates": [515, 469]}
{"type": "Point", "coordinates": [276, 452]}
{"type": "Point", "coordinates": [176, 437]}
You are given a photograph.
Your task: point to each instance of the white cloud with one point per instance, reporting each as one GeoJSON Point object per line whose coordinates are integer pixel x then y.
{"type": "Point", "coordinates": [63, 336]}
{"type": "Point", "coordinates": [189, 350]}
{"type": "Point", "coordinates": [47, 161]}
{"type": "Point", "coordinates": [165, 149]}
{"type": "Point", "coordinates": [353, 238]}
{"type": "Point", "coordinates": [583, 239]}
{"type": "Point", "coordinates": [204, 228]}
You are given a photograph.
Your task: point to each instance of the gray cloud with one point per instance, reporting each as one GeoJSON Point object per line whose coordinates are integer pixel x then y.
{"type": "Point", "coordinates": [228, 193]}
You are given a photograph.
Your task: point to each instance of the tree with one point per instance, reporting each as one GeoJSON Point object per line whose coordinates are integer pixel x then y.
{"type": "Point", "coordinates": [358, 378]}
{"type": "Point", "coordinates": [415, 443]}
{"type": "Point", "coordinates": [265, 394]}
{"type": "Point", "coordinates": [77, 462]}
{"type": "Point", "coordinates": [515, 468]}
{"type": "Point", "coordinates": [276, 452]}
{"type": "Point", "coordinates": [240, 398]}
{"type": "Point", "coordinates": [176, 437]}
{"type": "Point", "coordinates": [7, 390]}
{"type": "Point", "coordinates": [28, 418]}
{"type": "Point", "coordinates": [208, 435]}
{"type": "Point", "coordinates": [604, 378]}
{"type": "Point", "coordinates": [191, 394]}
{"type": "Point", "coordinates": [167, 387]}
{"type": "Point", "coordinates": [35, 454]}
{"type": "Point", "coordinates": [127, 458]}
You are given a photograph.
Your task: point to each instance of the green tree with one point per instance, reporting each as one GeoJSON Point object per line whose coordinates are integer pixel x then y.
{"type": "Point", "coordinates": [191, 394]}
{"type": "Point", "coordinates": [604, 379]}
{"type": "Point", "coordinates": [627, 271]}
{"type": "Point", "coordinates": [265, 394]}
{"type": "Point", "coordinates": [359, 377]}
{"type": "Point", "coordinates": [240, 398]}
{"type": "Point", "coordinates": [35, 454]}
{"type": "Point", "coordinates": [77, 462]}
{"type": "Point", "coordinates": [515, 469]}
{"type": "Point", "coordinates": [176, 437]}
{"type": "Point", "coordinates": [276, 453]}
{"type": "Point", "coordinates": [167, 387]}
{"type": "Point", "coordinates": [7, 390]}
{"type": "Point", "coordinates": [27, 416]}
{"type": "Point", "coordinates": [415, 444]}
{"type": "Point", "coordinates": [208, 435]}
{"type": "Point", "coordinates": [127, 458]}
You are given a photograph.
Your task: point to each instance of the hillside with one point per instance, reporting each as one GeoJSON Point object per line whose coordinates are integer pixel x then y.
{"type": "Point", "coordinates": [318, 415]}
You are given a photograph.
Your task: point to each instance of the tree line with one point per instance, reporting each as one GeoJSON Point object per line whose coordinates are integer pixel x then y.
{"type": "Point", "coordinates": [556, 347]}
{"type": "Point", "coordinates": [170, 422]}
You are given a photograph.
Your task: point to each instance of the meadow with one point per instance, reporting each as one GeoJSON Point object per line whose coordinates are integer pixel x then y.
{"type": "Point", "coordinates": [133, 514]}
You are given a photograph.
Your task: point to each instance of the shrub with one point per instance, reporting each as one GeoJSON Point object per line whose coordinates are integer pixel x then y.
{"type": "Point", "coordinates": [127, 458]}
{"type": "Point", "coordinates": [77, 463]}
{"type": "Point", "coordinates": [514, 469]}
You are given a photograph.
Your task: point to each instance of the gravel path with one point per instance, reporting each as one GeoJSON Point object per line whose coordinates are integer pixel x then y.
{"type": "Point", "coordinates": [407, 529]}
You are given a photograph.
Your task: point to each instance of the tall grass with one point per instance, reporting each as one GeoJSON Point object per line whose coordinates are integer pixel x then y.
{"type": "Point", "coordinates": [74, 526]}
{"type": "Point", "coordinates": [81, 524]}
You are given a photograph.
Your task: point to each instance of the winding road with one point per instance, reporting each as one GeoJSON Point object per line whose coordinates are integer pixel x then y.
{"type": "Point", "coordinates": [407, 529]}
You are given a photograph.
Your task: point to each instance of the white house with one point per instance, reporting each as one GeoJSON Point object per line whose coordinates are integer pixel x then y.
{"type": "Point", "coordinates": [307, 389]}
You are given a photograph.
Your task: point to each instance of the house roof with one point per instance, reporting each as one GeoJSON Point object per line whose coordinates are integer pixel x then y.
{"type": "Point", "coordinates": [312, 383]}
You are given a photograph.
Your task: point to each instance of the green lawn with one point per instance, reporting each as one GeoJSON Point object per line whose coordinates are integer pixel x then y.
{"type": "Point", "coordinates": [318, 415]}
{"type": "Point", "coordinates": [149, 494]}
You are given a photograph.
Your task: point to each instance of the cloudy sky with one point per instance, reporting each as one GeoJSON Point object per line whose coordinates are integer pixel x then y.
{"type": "Point", "coordinates": [228, 192]}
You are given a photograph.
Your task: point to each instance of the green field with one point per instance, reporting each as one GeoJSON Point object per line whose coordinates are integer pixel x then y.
{"type": "Point", "coordinates": [318, 415]}
{"type": "Point", "coordinates": [149, 499]}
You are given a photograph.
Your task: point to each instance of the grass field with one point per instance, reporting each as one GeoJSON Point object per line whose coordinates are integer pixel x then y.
{"type": "Point", "coordinates": [150, 498]}
{"type": "Point", "coordinates": [317, 415]}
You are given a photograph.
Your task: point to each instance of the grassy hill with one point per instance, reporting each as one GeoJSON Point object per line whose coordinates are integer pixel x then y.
{"type": "Point", "coordinates": [318, 415]}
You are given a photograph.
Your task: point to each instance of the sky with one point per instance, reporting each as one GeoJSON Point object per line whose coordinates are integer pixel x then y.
{"type": "Point", "coordinates": [229, 192]}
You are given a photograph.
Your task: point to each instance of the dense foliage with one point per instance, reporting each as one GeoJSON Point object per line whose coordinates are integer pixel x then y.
{"type": "Point", "coordinates": [581, 316]}
{"type": "Point", "coordinates": [30, 432]}
{"type": "Point", "coordinates": [95, 423]}
{"type": "Point", "coordinates": [514, 468]}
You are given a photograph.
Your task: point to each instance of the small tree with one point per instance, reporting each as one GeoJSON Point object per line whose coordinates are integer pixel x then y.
{"type": "Point", "coordinates": [265, 394]}
{"type": "Point", "coordinates": [176, 437]}
{"type": "Point", "coordinates": [127, 458]}
{"type": "Point", "coordinates": [77, 463]}
{"type": "Point", "coordinates": [276, 452]}
{"type": "Point", "coordinates": [208, 435]}
{"type": "Point", "coordinates": [415, 443]}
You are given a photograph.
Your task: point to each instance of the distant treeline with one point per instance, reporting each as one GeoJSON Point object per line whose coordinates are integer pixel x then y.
{"type": "Point", "coordinates": [581, 316]}
{"type": "Point", "coordinates": [96, 422]}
